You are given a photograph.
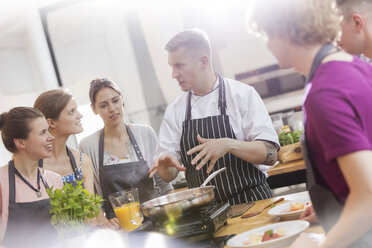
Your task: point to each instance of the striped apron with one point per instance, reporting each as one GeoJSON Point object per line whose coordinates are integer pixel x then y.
{"type": "Point", "coordinates": [241, 182]}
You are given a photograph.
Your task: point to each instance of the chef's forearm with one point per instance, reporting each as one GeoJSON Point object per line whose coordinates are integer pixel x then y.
{"type": "Point", "coordinates": [168, 174]}
{"type": "Point", "coordinates": [255, 152]}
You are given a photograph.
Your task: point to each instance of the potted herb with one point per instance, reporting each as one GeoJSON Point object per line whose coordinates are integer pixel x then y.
{"type": "Point", "coordinates": [71, 207]}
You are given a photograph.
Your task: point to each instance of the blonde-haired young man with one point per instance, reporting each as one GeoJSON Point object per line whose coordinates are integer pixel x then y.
{"type": "Point", "coordinates": [356, 27]}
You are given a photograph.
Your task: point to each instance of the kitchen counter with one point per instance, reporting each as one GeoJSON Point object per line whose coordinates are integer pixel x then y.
{"type": "Point", "coordinates": [238, 225]}
{"type": "Point", "coordinates": [286, 174]}
{"type": "Point", "coordinates": [282, 168]}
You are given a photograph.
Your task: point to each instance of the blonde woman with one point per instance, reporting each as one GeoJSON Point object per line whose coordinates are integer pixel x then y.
{"type": "Point", "coordinates": [338, 115]}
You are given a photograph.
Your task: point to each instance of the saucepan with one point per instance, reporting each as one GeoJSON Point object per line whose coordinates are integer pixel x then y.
{"type": "Point", "coordinates": [174, 204]}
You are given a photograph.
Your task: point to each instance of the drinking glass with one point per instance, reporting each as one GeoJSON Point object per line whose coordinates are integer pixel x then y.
{"type": "Point", "coordinates": [127, 208]}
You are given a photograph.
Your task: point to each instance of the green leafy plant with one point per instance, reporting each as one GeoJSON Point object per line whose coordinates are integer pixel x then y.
{"type": "Point", "coordinates": [71, 206]}
{"type": "Point", "coordinates": [290, 137]}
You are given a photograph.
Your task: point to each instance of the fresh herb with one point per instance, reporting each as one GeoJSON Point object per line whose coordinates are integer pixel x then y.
{"type": "Point", "coordinates": [286, 138]}
{"type": "Point", "coordinates": [269, 232]}
{"type": "Point", "coordinates": [72, 206]}
{"type": "Point", "coordinates": [272, 205]}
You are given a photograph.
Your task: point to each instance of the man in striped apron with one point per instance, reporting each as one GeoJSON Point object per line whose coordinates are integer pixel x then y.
{"type": "Point", "coordinates": [217, 122]}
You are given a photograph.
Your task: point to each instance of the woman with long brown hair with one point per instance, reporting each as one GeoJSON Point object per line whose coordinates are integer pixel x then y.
{"type": "Point", "coordinates": [64, 119]}
{"type": "Point", "coordinates": [122, 153]}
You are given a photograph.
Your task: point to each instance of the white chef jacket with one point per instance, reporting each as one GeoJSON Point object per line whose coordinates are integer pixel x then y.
{"type": "Point", "coordinates": [247, 113]}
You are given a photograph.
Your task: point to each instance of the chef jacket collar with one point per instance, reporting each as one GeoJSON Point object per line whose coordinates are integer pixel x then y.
{"type": "Point", "coordinates": [215, 86]}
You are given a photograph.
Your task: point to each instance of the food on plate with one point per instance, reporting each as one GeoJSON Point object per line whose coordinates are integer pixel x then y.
{"type": "Point", "coordinates": [296, 206]}
{"type": "Point", "coordinates": [257, 238]}
{"type": "Point", "coordinates": [254, 238]}
{"type": "Point", "coordinates": [268, 235]}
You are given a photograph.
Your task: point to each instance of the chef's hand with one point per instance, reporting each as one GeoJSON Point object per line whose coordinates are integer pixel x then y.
{"type": "Point", "coordinates": [309, 215]}
{"type": "Point", "coordinates": [308, 240]}
{"type": "Point", "coordinates": [163, 163]}
{"type": "Point", "coordinates": [209, 150]}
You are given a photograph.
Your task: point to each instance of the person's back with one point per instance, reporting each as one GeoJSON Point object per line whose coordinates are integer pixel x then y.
{"type": "Point", "coordinates": [339, 100]}
{"type": "Point", "coordinates": [337, 145]}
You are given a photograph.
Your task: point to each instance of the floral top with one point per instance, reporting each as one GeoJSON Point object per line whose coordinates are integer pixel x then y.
{"type": "Point", "coordinates": [110, 159]}
{"type": "Point", "coordinates": [71, 177]}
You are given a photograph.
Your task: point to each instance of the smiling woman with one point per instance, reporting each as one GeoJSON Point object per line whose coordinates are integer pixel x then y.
{"type": "Point", "coordinates": [60, 110]}
{"type": "Point", "coordinates": [25, 133]}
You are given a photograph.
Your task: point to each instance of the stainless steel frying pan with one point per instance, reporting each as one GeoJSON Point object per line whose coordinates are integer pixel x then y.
{"type": "Point", "coordinates": [174, 204]}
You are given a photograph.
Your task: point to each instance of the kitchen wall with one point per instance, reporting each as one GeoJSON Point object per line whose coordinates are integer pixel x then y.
{"type": "Point", "coordinates": [25, 66]}
{"type": "Point", "coordinates": [94, 39]}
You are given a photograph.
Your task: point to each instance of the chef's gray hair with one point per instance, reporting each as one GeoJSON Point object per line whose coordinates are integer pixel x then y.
{"type": "Point", "coordinates": [194, 40]}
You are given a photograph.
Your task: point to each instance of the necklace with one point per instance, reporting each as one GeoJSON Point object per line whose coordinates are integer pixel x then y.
{"type": "Point", "coordinates": [38, 193]}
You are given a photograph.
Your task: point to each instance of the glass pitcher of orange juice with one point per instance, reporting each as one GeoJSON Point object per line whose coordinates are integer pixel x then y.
{"type": "Point", "coordinates": [127, 208]}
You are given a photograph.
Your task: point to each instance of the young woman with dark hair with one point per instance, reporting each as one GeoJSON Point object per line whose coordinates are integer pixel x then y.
{"type": "Point", "coordinates": [24, 203]}
{"type": "Point", "coordinates": [122, 153]}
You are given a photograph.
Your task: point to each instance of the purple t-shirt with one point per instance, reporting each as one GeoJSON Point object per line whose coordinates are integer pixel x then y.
{"type": "Point", "coordinates": [338, 116]}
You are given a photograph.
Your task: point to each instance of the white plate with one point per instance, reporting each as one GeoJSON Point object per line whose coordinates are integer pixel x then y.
{"type": "Point", "coordinates": [291, 228]}
{"type": "Point", "coordinates": [283, 210]}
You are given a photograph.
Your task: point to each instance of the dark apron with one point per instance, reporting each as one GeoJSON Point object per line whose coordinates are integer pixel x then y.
{"type": "Point", "coordinates": [28, 222]}
{"type": "Point", "coordinates": [327, 206]}
{"type": "Point", "coordinates": [241, 182]}
{"type": "Point", "coordinates": [73, 166]}
{"type": "Point", "coordinates": [117, 177]}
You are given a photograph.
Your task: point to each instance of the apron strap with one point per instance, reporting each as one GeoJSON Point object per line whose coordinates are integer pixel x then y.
{"type": "Point", "coordinates": [73, 163]}
{"type": "Point", "coordinates": [221, 95]}
{"type": "Point", "coordinates": [135, 145]}
{"type": "Point", "coordinates": [11, 181]}
{"type": "Point", "coordinates": [188, 107]}
{"type": "Point", "coordinates": [221, 99]}
{"type": "Point", "coordinates": [44, 182]}
{"type": "Point", "coordinates": [11, 173]}
{"type": "Point", "coordinates": [321, 54]}
{"type": "Point", "coordinates": [40, 163]}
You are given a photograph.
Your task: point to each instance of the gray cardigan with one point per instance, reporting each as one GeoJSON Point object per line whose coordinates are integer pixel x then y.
{"type": "Point", "coordinates": [147, 141]}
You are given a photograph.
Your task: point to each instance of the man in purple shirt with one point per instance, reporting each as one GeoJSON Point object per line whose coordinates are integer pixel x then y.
{"type": "Point", "coordinates": [338, 111]}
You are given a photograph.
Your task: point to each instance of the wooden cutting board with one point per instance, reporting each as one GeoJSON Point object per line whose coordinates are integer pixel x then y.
{"type": "Point", "coordinates": [240, 209]}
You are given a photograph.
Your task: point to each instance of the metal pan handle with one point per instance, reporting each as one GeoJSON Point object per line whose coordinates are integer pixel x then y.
{"type": "Point", "coordinates": [212, 176]}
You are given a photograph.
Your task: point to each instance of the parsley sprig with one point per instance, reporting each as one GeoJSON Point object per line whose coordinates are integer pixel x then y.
{"type": "Point", "coordinates": [72, 206]}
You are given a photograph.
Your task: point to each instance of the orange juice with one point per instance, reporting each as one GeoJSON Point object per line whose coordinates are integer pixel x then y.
{"type": "Point", "coordinates": [126, 213]}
